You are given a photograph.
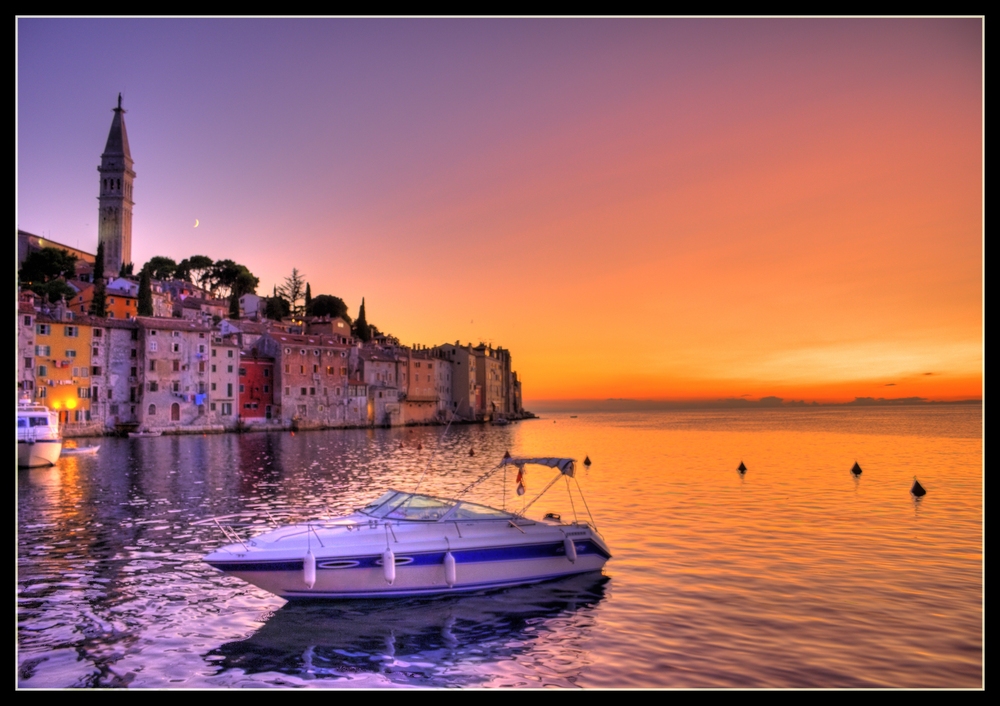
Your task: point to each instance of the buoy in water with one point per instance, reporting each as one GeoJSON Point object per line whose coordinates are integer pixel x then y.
{"type": "Point", "coordinates": [449, 569]}
{"type": "Point", "coordinates": [856, 469]}
{"type": "Point", "coordinates": [309, 569]}
{"type": "Point", "coordinates": [742, 469]}
{"type": "Point", "coordinates": [570, 546]}
{"type": "Point", "coordinates": [472, 452]}
{"type": "Point", "coordinates": [917, 489]}
{"type": "Point", "coordinates": [389, 565]}
{"type": "Point", "coordinates": [586, 461]}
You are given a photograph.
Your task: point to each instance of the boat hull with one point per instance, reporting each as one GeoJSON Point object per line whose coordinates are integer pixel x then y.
{"type": "Point", "coordinates": [341, 573]}
{"type": "Point", "coordinates": [42, 452]}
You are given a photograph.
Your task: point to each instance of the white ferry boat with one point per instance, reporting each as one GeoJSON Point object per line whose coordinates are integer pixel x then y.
{"type": "Point", "coordinates": [39, 442]}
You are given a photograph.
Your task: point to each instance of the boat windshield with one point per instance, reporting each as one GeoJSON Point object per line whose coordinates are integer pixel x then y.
{"type": "Point", "coordinates": [408, 506]}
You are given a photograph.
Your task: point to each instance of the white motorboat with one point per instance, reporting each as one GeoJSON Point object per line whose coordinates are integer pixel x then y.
{"type": "Point", "coordinates": [39, 442]}
{"type": "Point", "coordinates": [81, 450]}
{"type": "Point", "coordinates": [410, 544]}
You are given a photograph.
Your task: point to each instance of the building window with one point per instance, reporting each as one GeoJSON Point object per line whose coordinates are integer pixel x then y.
{"type": "Point", "coordinates": [175, 386]}
{"type": "Point", "coordinates": [242, 389]}
{"type": "Point", "coordinates": [214, 351]}
{"type": "Point", "coordinates": [212, 406]}
{"type": "Point", "coordinates": [176, 365]}
{"type": "Point", "coordinates": [152, 346]}
{"type": "Point", "coordinates": [227, 409]}
{"type": "Point", "coordinates": [266, 389]}
{"type": "Point", "coordinates": [71, 331]}
{"type": "Point", "coordinates": [27, 321]}
{"type": "Point", "coordinates": [288, 390]}
{"type": "Point", "coordinates": [176, 334]}
{"type": "Point", "coordinates": [154, 387]}
{"type": "Point", "coordinates": [229, 354]}
{"type": "Point", "coordinates": [95, 352]}
{"type": "Point", "coordinates": [287, 370]}
{"type": "Point", "coordinates": [97, 333]}
{"type": "Point", "coordinates": [201, 366]}
{"type": "Point", "coordinates": [152, 410]}
{"type": "Point", "coordinates": [229, 368]}
{"type": "Point", "coordinates": [43, 329]}
{"type": "Point", "coordinates": [213, 387]}
{"type": "Point", "coordinates": [229, 389]}
{"type": "Point", "coordinates": [133, 353]}
{"type": "Point", "coordinates": [43, 351]}
{"type": "Point", "coordinates": [213, 368]}
{"type": "Point", "coordinates": [83, 393]}
{"type": "Point", "coordinates": [29, 363]}
{"type": "Point", "coordinates": [267, 373]}
{"type": "Point", "coordinates": [243, 372]}
{"type": "Point", "coordinates": [201, 346]}
{"type": "Point", "coordinates": [312, 390]}
{"type": "Point", "coordinates": [40, 392]}
{"type": "Point", "coordinates": [176, 347]}
{"type": "Point", "coordinates": [302, 390]}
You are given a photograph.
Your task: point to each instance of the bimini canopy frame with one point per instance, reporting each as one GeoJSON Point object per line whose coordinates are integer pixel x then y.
{"type": "Point", "coordinates": [565, 466]}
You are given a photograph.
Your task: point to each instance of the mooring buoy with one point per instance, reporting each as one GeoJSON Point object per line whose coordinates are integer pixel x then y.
{"type": "Point", "coordinates": [742, 469]}
{"type": "Point", "coordinates": [917, 489]}
{"type": "Point", "coordinates": [586, 461]}
{"type": "Point", "coordinates": [856, 469]}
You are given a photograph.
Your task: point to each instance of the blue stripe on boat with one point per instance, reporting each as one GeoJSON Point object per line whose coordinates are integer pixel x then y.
{"type": "Point", "coordinates": [467, 556]}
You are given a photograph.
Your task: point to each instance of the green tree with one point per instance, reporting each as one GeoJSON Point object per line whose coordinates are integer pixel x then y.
{"type": "Point", "coordinates": [328, 305]}
{"type": "Point", "coordinates": [161, 267]}
{"type": "Point", "coordinates": [309, 300]}
{"type": "Point", "coordinates": [194, 269]}
{"type": "Point", "coordinates": [226, 278]}
{"type": "Point", "coordinates": [45, 265]}
{"type": "Point", "coordinates": [98, 305]}
{"type": "Point", "coordinates": [126, 270]}
{"type": "Point", "coordinates": [292, 291]}
{"type": "Point", "coordinates": [361, 328]}
{"type": "Point", "coordinates": [54, 290]}
{"type": "Point", "coordinates": [245, 283]}
{"type": "Point", "coordinates": [145, 293]}
{"type": "Point", "coordinates": [276, 308]}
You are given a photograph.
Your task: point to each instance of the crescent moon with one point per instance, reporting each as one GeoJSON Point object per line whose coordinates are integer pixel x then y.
{"type": "Point", "coordinates": [195, 222]}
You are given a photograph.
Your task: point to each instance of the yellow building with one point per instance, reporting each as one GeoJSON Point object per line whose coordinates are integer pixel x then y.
{"type": "Point", "coordinates": [62, 362]}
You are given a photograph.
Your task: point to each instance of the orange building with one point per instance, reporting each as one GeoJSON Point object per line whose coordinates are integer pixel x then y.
{"type": "Point", "coordinates": [62, 366]}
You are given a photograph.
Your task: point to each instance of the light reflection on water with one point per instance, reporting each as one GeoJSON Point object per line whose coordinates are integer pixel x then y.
{"type": "Point", "coordinates": [794, 575]}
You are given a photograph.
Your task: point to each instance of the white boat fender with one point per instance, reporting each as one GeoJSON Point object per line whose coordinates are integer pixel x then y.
{"type": "Point", "coordinates": [450, 573]}
{"type": "Point", "coordinates": [309, 569]}
{"type": "Point", "coordinates": [570, 549]}
{"type": "Point", "coordinates": [389, 565]}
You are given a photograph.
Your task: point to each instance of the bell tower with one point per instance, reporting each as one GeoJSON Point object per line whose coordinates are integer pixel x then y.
{"type": "Point", "coordinates": [114, 216]}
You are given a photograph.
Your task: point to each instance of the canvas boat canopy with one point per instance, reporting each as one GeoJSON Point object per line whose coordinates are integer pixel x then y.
{"type": "Point", "coordinates": [566, 466]}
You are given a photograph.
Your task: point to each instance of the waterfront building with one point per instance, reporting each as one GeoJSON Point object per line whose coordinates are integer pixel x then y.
{"type": "Point", "coordinates": [114, 375]}
{"type": "Point", "coordinates": [256, 381]}
{"type": "Point", "coordinates": [311, 374]}
{"type": "Point", "coordinates": [115, 199]}
{"type": "Point", "coordinates": [381, 370]}
{"type": "Point", "coordinates": [489, 378]}
{"type": "Point", "coordinates": [172, 374]}
{"type": "Point", "coordinates": [419, 387]}
{"type": "Point", "coordinates": [466, 393]}
{"type": "Point", "coordinates": [62, 357]}
{"type": "Point", "coordinates": [224, 383]}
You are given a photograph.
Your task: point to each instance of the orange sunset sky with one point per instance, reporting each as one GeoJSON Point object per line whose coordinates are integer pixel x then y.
{"type": "Point", "coordinates": [650, 208]}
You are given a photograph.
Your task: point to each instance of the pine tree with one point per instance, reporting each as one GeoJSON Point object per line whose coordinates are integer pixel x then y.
{"type": "Point", "coordinates": [98, 305]}
{"type": "Point", "coordinates": [361, 328]}
{"type": "Point", "coordinates": [309, 299]}
{"type": "Point", "coordinates": [145, 293]}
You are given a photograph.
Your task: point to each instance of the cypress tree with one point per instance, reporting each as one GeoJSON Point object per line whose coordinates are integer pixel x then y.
{"type": "Point", "coordinates": [145, 293]}
{"type": "Point", "coordinates": [98, 305]}
{"type": "Point", "coordinates": [309, 299]}
{"type": "Point", "coordinates": [361, 327]}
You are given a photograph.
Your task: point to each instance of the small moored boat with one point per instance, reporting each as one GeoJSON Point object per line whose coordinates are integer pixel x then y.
{"type": "Point", "coordinates": [408, 544]}
{"type": "Point", "coordinates": [81, 450]}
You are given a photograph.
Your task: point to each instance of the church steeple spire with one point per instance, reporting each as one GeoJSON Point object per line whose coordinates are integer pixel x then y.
{"type": "Point", "coordinates": [115, 211]}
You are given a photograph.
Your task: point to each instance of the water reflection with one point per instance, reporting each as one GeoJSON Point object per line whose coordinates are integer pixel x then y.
{"type": "Point", "coordinates": [448, 641]}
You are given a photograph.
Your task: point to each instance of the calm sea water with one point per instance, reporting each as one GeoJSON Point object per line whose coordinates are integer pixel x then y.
{"type": "Point", "coordinates": [794, 575]}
